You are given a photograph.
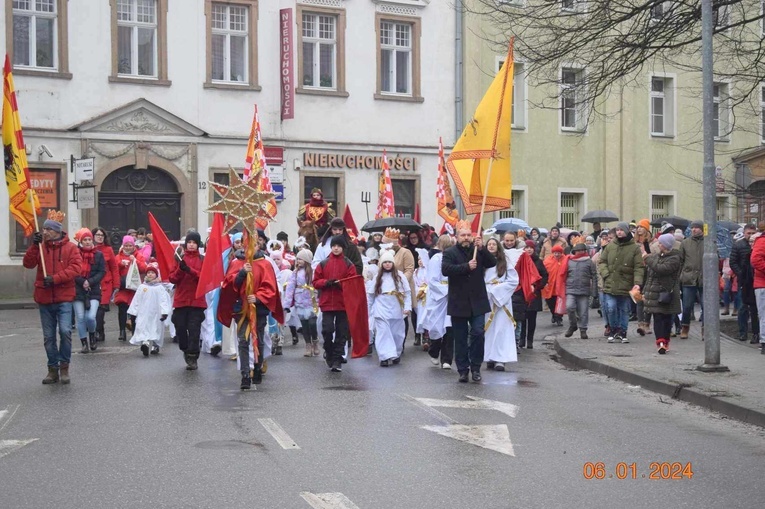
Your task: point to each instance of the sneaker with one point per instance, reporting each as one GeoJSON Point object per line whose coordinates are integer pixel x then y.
{"type": "Point", "coordinates": [611, 338]}
{"type": "Point", "coordinates": [662, 348]}
{"type": "Point", "coordinates": [336, 367]}
{"type": "Point", "coordinates": [570, 332]}
{"type": "Point", "coordinates": [343, 360]}
{"type": "Point", "coordinates": [154, 350]}
{"type": "Point", "coordinates": [216, 349]}
{"type": "Point", "coordinates": [145, 348]}
{"type": "Point", "coordinates": [499, 367]}
{"type": "Point", "coordinates": [434, 361]}
{"type": "Point", "coordinates": [446, 365]}
{"type": "Point", "coordinates": [383, 364]}
{"type": "Point", "coordinates": [625, 340]}
{"type": "Point", "coordinates": [246, 382]}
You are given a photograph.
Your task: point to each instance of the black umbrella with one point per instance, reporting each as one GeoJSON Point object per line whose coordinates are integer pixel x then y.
{"type": "Point", "coordinates": [402, 223]}
{"type": "Point", "coordinates": [600, 216]}
{"type": "Point", "coordinates": [729, 225]}
{"type": "Point", "coordinates": [677, 222]}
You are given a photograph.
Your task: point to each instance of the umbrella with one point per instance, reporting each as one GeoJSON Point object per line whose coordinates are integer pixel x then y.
{"type": "Point", "coordinates": [511, 224]}
{"type": "Point", "coordinates": [402, 223]}
{"type": "Point", "coordinates": [729, 225]}
{"type": "Point", "coordinates": [600, 216]}
{"type": "Point", "coordinates": [677, 222]}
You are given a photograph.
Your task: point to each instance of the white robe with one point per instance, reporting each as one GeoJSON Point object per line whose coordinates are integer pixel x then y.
{"type": "Point", "coordinates": [436, 320]}
{"type": "Point", "coordinates": [499, 342]}
{"type": "Point", "coordinates": [421, 283]}
{"type": "Point", "coordinates": [370, 274]}
{"type": "Point", "coordinates": [207, 331]}
{"type": "Point", "coordinates": [389, 315]}
{"type": "Point", "coordinates": [150, 302]}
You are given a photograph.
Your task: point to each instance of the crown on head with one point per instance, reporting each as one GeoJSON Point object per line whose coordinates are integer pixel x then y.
{"type": "Point", "coordinates": [463, 225]}
{"type": "Point", "coordinates": [56, 215]}
{"type": "Point", "coordinates": [392, 233]}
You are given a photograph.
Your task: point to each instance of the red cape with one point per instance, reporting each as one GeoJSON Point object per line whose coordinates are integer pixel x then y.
{"type": "Point", "coordinates": [264, 287]}
{"type": "Point", "coordinates": [528, 275]}
{"type": "Point", "coordinates": [355, 299]}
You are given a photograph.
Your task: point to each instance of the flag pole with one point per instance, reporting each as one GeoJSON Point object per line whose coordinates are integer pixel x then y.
{"type": "Point", "coordinates": [37, 229]}
{"type": "Point", "coordinates": [483, 202]}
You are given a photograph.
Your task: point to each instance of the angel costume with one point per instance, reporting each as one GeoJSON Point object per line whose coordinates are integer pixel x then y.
{"type": "Point", "coordinates": [421, 289]}
{"type": "Point", "coordinates": [499, 343]}
{"type": "Point", "coordinates": [150, 302]}
{"type": "Point", "coordinates": [388, 310]}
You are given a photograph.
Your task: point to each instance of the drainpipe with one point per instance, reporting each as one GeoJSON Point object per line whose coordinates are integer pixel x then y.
{"type": "Point", "coordinates": [458, 84]}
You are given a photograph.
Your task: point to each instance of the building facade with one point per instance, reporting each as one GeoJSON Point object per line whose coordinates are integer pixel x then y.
{"type": "Point", "coordinates": [643, 158]}
{"type": "Point", "coordinates": [161, 94]}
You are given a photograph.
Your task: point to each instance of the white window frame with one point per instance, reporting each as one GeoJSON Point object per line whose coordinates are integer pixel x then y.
{"type": "Point", "coordinates": [134, 25]}
{"type": "Point", "coordinates": [568, 5]}
{"type": "Point", "coordinates": [227, 33]}
{"type": "Point", "coordinates": [721, 103]}
{"type": "Point", "coordinates": [522, 209]}
{"type": "Point", "coordinates": [394, 50]}
{"type": "Point", "coordinates": [673, 205]}
{"type": "Point", "coordinates": [727, 206]}
{"type": "Point", "coordinates": [721, 16]}
{"type": "Point", "coordinates": [670, 105]}
{"type": "Point", "coordinates": [317, 42]}
{"type": "Point", "coordinates": [33, 14]}
{"type": "Point", "coordinates": [513, 3]}
{"type": "Point", "coordinates": [762, 113]}
{"type": "Point", "coordinates": [519, 118]}
{"type": "Point", "coordinates": [579, 107]}
{"type": "Point", "coordinates": [582, 205]}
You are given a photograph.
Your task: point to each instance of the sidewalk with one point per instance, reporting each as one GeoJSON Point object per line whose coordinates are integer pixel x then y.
{"type": "Point", "coordinates": [739, 393]}
{"type": "Point", "coordinates": [10, 304]}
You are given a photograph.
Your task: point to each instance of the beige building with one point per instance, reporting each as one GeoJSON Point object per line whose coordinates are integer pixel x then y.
{"type": "Point", "coordinates": [644, 159]}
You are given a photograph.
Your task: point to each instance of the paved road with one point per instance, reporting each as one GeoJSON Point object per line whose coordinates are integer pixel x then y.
{"type": "Point", "coordinates": [136, 432]}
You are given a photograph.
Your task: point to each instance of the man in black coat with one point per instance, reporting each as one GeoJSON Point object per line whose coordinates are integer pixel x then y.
{"type": "Point", "coordinates": [741, 265]}
{"type": "Point", "coordinates": [468, 302]}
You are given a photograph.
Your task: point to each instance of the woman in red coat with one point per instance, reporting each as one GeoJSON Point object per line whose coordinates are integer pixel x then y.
{"type": "Point", "coordinates": [110, 281]}
{"type": "Point", "coordinates": [124, 297]}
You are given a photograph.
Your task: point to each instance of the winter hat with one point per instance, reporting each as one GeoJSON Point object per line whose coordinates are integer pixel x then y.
{"type": "Point", "coordinates": [645, 223]}
{"type": "Point", "coordinates": [262, 235]}
{"type": "Point", "coordinates": [604, 233]}
{"type": "Point", "coordinates": [589, 240]}
{"type": "Point", "coordinates": [193, 235]}
{"type": "Point", "coordinates": [531, 243]}
{"type": "Point", "coordinates": [153, 267]}
{"type": "Point", "coordinates": [387, 256]}
{"type": "Point", "coordinates": [55, 221]}
{"type": "Point", "coordinates": [127, 239]}
{"type": "Point", "coordinates": [282, 236]}
{"type": "Point", "coordinates": [667, 240]}
{"type": "Point", "coordinates": [338, 240]}
{"type": "Point", "coordinates": [83, 233]}
{"type": "Point", "coordinates": [236, 236]}
{"type": "Point", "coordinates": [305, 255]}
{"type": "Point", "coordinates": [679, 235]}
{"type": "Point", "coordinates": [623, 227]}
{"type": "Point", "coordinates": [372, 254]}
{"type": "Point", "coordinates": [697, 224]}
{"type": "Point", "coordinates": [337, 222]}
{"type": "Point", "coordinates": [738, 236]}
{"type": "Point", "coordinates": [578, 247]}
{"type": "Point", "coordinates": [667, 228]}
{"type": "Point", "coordinates": [557, 249]}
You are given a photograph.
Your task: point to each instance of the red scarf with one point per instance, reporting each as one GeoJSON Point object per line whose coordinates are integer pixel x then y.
{"type": "Point", "coordinates": [88, 255]}
{"type": "Point", "coordinates": [528, 275]}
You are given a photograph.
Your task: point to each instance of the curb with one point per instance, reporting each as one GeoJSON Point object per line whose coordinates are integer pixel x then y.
{"type": "Point", "coordinates": [12, 305]}
{"type": "Point", "coordinates": [675, 391]}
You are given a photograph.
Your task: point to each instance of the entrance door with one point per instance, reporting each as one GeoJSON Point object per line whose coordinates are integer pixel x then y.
{"type": "Point", "coordinates": [128, 195]}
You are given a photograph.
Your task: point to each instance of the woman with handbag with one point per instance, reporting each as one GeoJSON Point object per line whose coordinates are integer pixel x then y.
{"type": "Point", "coordinates": [88, 289]}
{"type": "Point", "coordinates": [125, 258]}
{"type": "Point", "coordinates": [111, 279]}
{"type": "Point", "coordinates": [661, 294]}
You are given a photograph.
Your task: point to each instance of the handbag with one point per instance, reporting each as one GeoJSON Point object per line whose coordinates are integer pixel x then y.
{"type": "Point", "coordinates": [665, 297]}
{"type": "Point", "coordinates": [133, 279]}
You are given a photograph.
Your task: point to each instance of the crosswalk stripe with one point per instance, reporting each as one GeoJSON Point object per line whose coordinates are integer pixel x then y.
{"type": "Point", "coordinates": [328, 500]}
{"type": "Point", "coordinates": [281, 436]}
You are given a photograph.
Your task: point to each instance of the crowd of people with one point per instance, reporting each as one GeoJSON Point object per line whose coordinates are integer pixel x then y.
{"type": "Point", "coordinates": [471, 300]}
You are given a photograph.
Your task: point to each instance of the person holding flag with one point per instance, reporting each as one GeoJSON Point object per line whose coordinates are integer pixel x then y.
{"type": "Point", "coordinates": [189, 310]}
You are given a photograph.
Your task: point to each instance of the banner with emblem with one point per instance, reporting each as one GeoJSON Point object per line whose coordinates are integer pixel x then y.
{"type": "Point", "coordinates": [385, 206]}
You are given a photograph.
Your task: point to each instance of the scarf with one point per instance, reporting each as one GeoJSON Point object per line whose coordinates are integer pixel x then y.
{"type": "Point", "coordinates": [528, 275]}
{"type": "Point", "coordinates": [88, 255]}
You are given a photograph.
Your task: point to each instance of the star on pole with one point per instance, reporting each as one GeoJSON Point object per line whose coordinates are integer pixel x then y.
{"type": "Point", "coordinates": [242, 201]}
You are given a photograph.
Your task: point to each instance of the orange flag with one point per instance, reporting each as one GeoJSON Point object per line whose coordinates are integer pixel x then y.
{"type": "Point", "coordinates": [16, 167]}
{"type": "Point", "coordinates": [256, 155]}
{"type": "Point", "coordinates": [385, 206]}
{"type": "Point", "coordinates": [444, 199]}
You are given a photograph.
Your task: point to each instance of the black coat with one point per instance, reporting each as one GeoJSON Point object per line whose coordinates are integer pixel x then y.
{"type": "Point", "coordinates": [97, 272]}
{"type": "Point", "coordinates": [739, 257]}
{"type": "Point", "coordinates": [467, 289]}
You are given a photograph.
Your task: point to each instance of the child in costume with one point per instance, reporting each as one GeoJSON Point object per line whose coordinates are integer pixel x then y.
{"type": "Point", "coordinates": [391, 299]}
{"type": "Point", "coordinates": [152, 304]}
{"type": "Point", "coordinates": [300, 298]}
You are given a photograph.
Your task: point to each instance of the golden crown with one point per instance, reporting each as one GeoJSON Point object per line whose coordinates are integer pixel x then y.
{"type": "Point", "coordinates": [56, 215]}
{"type": "Point", "coordinates": [463, 225]}
{"type": "Point", "coordinates": [392, 233]}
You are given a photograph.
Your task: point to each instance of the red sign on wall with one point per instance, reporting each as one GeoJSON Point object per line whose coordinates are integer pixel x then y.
{"type": "Point", "coordinates": [286, 75]}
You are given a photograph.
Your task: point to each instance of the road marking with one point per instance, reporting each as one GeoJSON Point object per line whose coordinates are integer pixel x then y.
{"type": "Point", "coordinates": [279, 434]}
{"type": "Point", "coordinates": [493, 436]}
{"type": "Point", "coordinates": [6, 416]}
{"type": "Point", "coordinates": [432, 411]}
{"type": "Point", "coordinates": [477, 404]}
{"type": "Point", "coordinates": [8, 336]}
{"type": "Point", "coordinates": [328, 500]}
{"type": "Point", "coordinates": [8, 446]}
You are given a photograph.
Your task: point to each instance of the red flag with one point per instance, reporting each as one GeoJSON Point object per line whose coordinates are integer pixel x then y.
{"type": "Point", "coordinates": [211, 275]}
{"type": "Point", "coordinates": [416, 213]}
{"type": "Point", "coordinates": [163, 248]}
{"type": "Point", "coordinates": [475, 226]}
{"type": "Point", "coordinates": [528, 275]}
{"type": "Point", "coordinates": [355, 298]}
{"type": "Point", "coordinates": [385, 206]}
{"type": "Point", "coordinates": [350, 224]}
{"type": "Point", "coordinates": [256, 156]}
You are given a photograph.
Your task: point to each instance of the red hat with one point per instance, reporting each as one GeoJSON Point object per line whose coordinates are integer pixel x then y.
{"type": "Point", "coordinates": [557, 249]}
{"type": "Point", "coordinates": [531, 243]}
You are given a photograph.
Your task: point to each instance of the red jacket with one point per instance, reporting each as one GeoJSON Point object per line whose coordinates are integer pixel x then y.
{"type": "Point", "coordinates": [186, 282]}
{"type": "Point", "coordinates": [125, 296]}
{"type": "Point", "coordinates": [333, 267]}
{"type": "Point", "coordinates": [758, 262]}
{"type": "Point", "coordinates": [111, 279]}
{"type": "Point", "coordinates": [63, 262]}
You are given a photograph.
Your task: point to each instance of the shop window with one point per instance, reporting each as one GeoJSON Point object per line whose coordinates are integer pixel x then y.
{"type": "Point", "coordinates": [404, 197]}
{"type": "Point", "coordinates": [46, 183]}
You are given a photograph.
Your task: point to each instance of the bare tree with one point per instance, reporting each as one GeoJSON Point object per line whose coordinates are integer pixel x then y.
{"type": "Point", "coordinates": [615, 41]}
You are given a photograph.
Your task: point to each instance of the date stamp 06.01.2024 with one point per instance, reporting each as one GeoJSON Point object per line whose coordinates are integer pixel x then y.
{"type": "Point", "coordinates": [657, 470]}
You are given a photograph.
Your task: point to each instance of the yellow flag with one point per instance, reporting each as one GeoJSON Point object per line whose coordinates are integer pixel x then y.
{"type": "Point", "coordinates": [16, 167]}
{"type": "Point", "coordinates": [486, 136]}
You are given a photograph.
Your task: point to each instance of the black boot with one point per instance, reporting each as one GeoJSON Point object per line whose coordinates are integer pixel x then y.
{"type": "Point", "coordinates": [530, 343]}
{"type": "Point", "coordinates": [93, 341]}
{"type": "Point", "coordinates": [417, 339]}
{"type": "Point", "coordinates": [583, 334]}
{"type": "Point", "coordinates": [123, 335]}
{"type": "Point", "coordinates": [85, 348]}
{"type": "Point", "coordinates": [246, 382]}
{"type": "Point", "coordinates": [571, 330]}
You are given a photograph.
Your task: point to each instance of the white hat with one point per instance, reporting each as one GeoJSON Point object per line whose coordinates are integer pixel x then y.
{"type": "Point", "coordinates": [372, 254]}
{"type": "Point", "coordinates": [387, 256]}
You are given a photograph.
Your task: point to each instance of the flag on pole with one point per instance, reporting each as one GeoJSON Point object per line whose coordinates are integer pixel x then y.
{"type": "Point", "coordinates": [385, 206]}
{"type": "Point", "coordinates": [211, 275]}
{"type": "Point", "coordinates": [256, 156]}
{"type": "Point", "coordinates": [16, 166]}
{"type": "Point", "coordinates": [475, 225]}
{"type": "Point", "coordinates": [350, 224]}
{"type": "Point", "coordinates": [163, 248]}
{"type": "Point", "coordinates": [444, 199]}
{"type": "Point", "coordinates": [486, 137]}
